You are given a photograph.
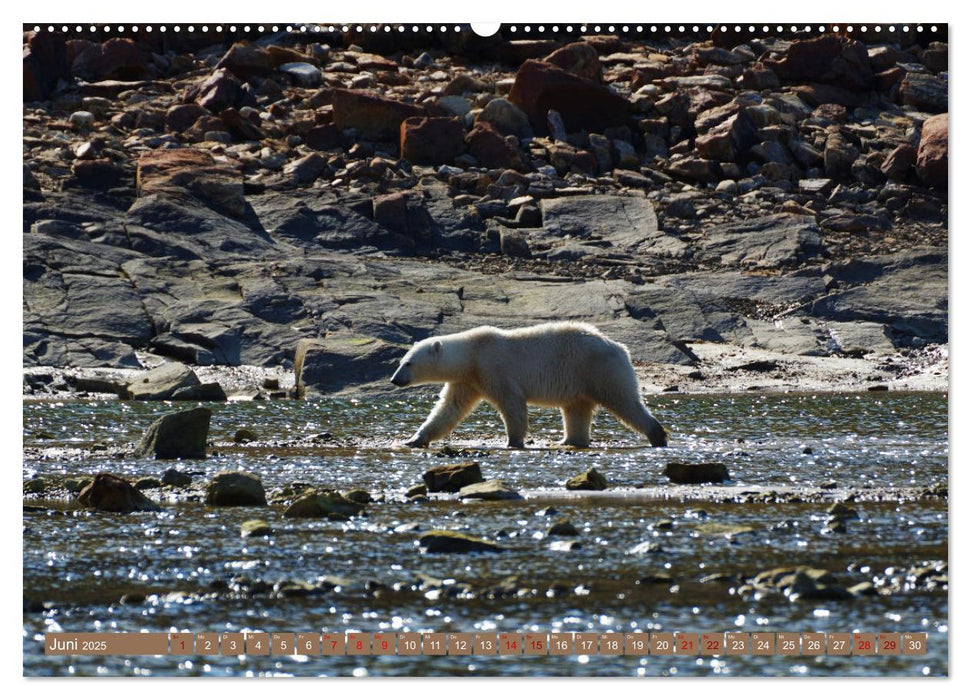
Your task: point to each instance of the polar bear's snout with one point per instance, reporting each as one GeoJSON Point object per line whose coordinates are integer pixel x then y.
{"type": "Point", "coordinates": [402, 377]}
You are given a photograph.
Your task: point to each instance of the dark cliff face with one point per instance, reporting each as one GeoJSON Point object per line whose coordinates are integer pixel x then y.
{"type": "Point", "coordinates": [216, 199]}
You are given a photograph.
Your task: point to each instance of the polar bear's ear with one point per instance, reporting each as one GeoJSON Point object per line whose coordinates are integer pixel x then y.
{"type": "Point", "coordinates": [437, 346]}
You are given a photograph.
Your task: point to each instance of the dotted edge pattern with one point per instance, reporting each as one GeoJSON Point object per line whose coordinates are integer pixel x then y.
{"type": "Point", "coordinates": [509, 31]}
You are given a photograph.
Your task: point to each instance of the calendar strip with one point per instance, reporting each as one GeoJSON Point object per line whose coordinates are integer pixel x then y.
{"type": "Point", "coordinates": [486, 644]}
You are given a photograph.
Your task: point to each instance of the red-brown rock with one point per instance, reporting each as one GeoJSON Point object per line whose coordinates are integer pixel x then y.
{"type": "Point", "coordinates": [578, 58]}
{"type": "Point", "coordinates": [932, 152]}
{"type": "Point", "coordinates": [246, 61]}
{"type": "Point", "coordinates": [241, 127]}
{"type": "Point", "coordinates": [111, 493]}
{"type": "Point", "coordinates": [897, 164]}
{"type": "Point", "coordinates": [729, 139]}
{"type": "Point", "coordinates": [323, 137]}
{"type": "Point", "coordinates": [178, 118]}
{"type": "Point", "coordinates": [583, 104]}
{"type": "Point", "coordinates": [759, 77]}
{"type": "Point", "coordinates": [115, 59]}
{"type": "Point", "coordinates": [431, 140]}
{"type": "Point", "coordinates": [281, 54]}
{"type": "Point", "coordinates": [829, 59]}
{"type": "Point", "coordinates": [373, 117]}
{"type": "Point", "coordinates": [185, 171]}
{"type": "Point", "coordinates": [492, 150]}
{"type": "Point", "coordinates": [45, 62]}
{"type": "Point", "coordinates": [219, 91]}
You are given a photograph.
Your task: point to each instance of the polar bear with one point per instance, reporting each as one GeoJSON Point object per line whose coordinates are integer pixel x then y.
{"type": "Point", "coordinates": [569, 365]}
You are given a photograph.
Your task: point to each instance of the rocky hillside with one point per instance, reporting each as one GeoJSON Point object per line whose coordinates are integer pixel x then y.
{"type": "Point", "coordinates": [216, 200]}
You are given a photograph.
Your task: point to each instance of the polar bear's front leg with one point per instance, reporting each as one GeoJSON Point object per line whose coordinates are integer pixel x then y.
{"type": "Point", "coordinates": [454, 403]}
{"type": "Point", "coordinates": [576, 423]}
{"type": "Point", "coordinates": [515, 416]}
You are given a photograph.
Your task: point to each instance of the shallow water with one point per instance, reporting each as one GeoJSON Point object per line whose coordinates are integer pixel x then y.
{"type": "Point", "coordinates": [78, 565]}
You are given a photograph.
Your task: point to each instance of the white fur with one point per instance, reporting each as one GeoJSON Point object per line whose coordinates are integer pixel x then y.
{"type": "Point", "coordinates": [569, 365]}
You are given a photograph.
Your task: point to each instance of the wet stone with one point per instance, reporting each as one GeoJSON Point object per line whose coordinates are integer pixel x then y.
{"type": "Point", "coordinates": [114, 494]}
{"type": "Point", "coordinates": [230, 488]}
{"type": "Point", "coordinates": [255, 528]}
{"type": "Point", "coordinates": [323, 504]}
{"type": "Point", "coordinates": [492, 490]}
{"type": "Point", "coordinates": [450, 478]}
{"type": "Point", "coordinates": [179, 435]}
{"type": "Point", "coordinates": [590, 480]}
{"type": "Point", "coordinates": [173, 477]}
{"type": "Point", "coordinates": [562, 528]}
{"type": "Point", "coordinates": [450, 542]}
{"type": "Point", "coordinates": [702, 473]}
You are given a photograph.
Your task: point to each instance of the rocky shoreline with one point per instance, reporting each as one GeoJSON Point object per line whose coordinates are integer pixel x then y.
{"type": "Point", "coordinates": [295, 210]}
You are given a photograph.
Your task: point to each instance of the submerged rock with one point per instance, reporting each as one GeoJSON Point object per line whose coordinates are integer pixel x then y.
{"type": "Point", "coordinates": [590, 480]}
{"type": "Point", "coordinates": [235, 489]}
{"type": "Point", "coordinates": [703, 473]}
{"type": "Point", "coordinates": [450, 478]}
{"type": "Point", "coordinates": [492, 490]}
{"type": "Point", "coordinates": [323, 504]}
{"type": "Point", "coordinates": [417, 490]}
{"type": "Point", "coordinates": [562, 528]}
{"type": "Point", "coordinates": [179, 435]}
{"type": "Point", "coordinates": [244, 435]}
{"type": "Point", "coordinates": [114, 494]}
{"type": "Point", "coordinates": [173, 477]}
{"type": "Point", "coordinates": [255, 528]}
{"type": "Point", "coordinates": [449, 542]}
{"type": "Point", "coordinates": [358, 496]}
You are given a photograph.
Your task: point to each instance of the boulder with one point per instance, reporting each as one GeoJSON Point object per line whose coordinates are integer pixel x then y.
{"type": "Point", "coordinates": [926, 92]}
{"type": "Point", "coordinates": [161, 382]}
{"type": "Point", "coordinates": [578, 58]}
{"type": "Point", "coordinates": [506, 118]}
{"type": "Point", "coordinates": [115, 59]}
{"type": "Point", "coordinates": [178, 118]}
{"type": "Point", "coordinates": [703, 473]}
{"type": "Point", "coordinates": [219, 91]}
{"type": "Point", "coordinates": [235, 488]}
{"type": "Point", "coordinates": [932, 152]}
{"type": "Point", "coordinates": [210, 391]}
{"type": "Point", "coordinates": [729, 139]}
{"type": "Point", "coordinates": [342, 360]}
{"type": "Point", "coordinates": [898, 163]}
{"type": "Point", "coordinates": [114, 494]}
{"type": "Point", "coordinates": [830, 59]}
{"type": "Point", "coordinates": [449, 542]}
{"type": "Point", "coordinates": [179, 435]}
{"type": "Point", "coordinates": [45, 62]}
{"type": "Point", "coordinates": [450, 478]}
{"type": "Point", "coordinates": [492, 150]}
{"type": "Point", "coordinates": [582, 103]}
{"type": "Point", "coordinates": [323, 504]}
{"type": "Point", "coordinates": [246, 61]}
{"type": "Point", "coordinates": [371, 116]}
{"type": "Point", "coordinates": [432, 140]}
{"type": "Point", "coordinates": [302, 73]}
{"type": "Point", "coordinates": [590, 480]}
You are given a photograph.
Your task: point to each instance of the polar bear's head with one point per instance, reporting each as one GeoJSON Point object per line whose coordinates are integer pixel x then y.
{"type": "Point", "coordinates": [422, 365]}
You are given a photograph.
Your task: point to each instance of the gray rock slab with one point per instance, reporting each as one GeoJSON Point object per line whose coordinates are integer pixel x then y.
{"type": "Point", "coordinates": [910, 298]}
{"type": "Point", "coordinates": [628, 223]}
{"type": "Point", "coordinates": [768, 241]}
